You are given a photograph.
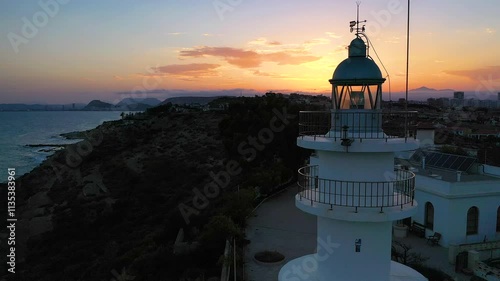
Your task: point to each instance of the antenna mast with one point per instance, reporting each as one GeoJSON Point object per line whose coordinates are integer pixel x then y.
{"type": "Point", "coordinates": [407, 54]}
{"type": "Point", "coordinates": [357, 22]}
{"type": "Point", "coordinates": [407, 67]}
{"type": "Point", "coordinates": [357, 14]}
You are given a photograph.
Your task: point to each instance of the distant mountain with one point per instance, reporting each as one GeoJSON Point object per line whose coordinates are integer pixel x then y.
{"type": "Point", "coordinates": [98, 105]}
{"type": "Point", "coordinates": [132, 101]}
{"type": "Point", "coordinates": [134, 107]}
{"type": "Point", "coordinates": [426, 89]}
{"type": "Point", "coordinates": [131, 104]}
{"type": "Point", "coordinates": [423, 89]}
{"type": "Point", "coordinates": [189, 100]}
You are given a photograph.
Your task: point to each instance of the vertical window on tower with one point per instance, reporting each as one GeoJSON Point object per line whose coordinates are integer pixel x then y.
{"type": "Point", "coordinates": [429, 216]}
{"type": "Point", "coordinates": [472, 220]}
{"type": "Point", "coordinates": [357, 245]}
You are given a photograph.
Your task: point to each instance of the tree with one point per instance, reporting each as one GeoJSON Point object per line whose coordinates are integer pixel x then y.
{"type": "Point", "coordinates": [453, 150]}
{"type": "Point", "coordinates": [238, 205]}
{"type": "Point", "coordinates": [218, 229]}
{"type": "Point", "coordinates": [401, 253]}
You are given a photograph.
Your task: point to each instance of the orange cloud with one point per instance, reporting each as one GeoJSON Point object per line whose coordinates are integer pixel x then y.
{"type": "Point", "coordinates": [187, 70]}
{"type": "Point", "coordinates": [283, 58]}
{"type": "Point", "coordinates": [264, 41]}
{"type": "Point", "coordinates": [492, 73]}
{"type": "Point", "coordinates": [490, 30]}
{"type": "Point", "coordinates": [339, 49]}
{"type": "Point", "coordinates": [486, 78]}
{"type": "Point", "coordinates": [316, 41]}
{"type": "Point", "coordinates": [268, 74]}
{"type": "Point", "coordinates": [333, 35]}
{"type": "Point", "coordinates": [210, 34]}
{"type": "Point", "coordinates": [247, 59]}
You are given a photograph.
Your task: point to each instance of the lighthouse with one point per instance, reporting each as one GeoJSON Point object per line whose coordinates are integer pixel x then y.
{"type": "Point", "coordinates": [351, 183]}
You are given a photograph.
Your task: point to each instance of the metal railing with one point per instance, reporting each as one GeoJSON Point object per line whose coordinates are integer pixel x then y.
{"type": "Point", "coordinates": [362, 124]}
{"type": "Point", "coordinates": [398, 190]}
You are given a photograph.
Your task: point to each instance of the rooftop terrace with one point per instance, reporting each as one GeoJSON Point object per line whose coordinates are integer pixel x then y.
{"type": "Point", "coordinates": [448, 175]}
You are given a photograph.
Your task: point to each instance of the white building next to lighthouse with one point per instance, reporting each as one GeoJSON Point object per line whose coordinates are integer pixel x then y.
{"type": "Point", "coordinates": [459, 198]}
{"type": "Point", "coordinates": [351, 184]}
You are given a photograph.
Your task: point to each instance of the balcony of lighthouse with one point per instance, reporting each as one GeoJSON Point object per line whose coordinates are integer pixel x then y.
{"type": "Point", "coordinates": [391, 199]}
{"type": "Point", "coordinates": [358, 130]}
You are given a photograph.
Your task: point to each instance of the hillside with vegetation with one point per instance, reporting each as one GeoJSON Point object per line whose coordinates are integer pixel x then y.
{"type": "Point", "coordinates": [111, 206]}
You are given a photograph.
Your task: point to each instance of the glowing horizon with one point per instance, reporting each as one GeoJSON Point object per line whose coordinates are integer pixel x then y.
{"type": "Point", "coordinates": [76, 51]}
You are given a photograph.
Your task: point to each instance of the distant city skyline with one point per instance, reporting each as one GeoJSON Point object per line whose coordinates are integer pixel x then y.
{"type": "Point", "coordinates": [66, 51]}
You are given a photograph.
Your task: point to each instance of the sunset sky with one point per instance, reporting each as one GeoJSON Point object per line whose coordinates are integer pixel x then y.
{"type": "Point", "coordinates": [63, 51]}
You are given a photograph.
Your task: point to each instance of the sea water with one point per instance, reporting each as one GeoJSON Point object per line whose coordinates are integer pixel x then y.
{"type": "Point", "coordinates": [21, 128]}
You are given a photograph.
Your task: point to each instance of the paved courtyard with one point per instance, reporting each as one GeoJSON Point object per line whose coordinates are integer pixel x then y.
{"type": "Point", "coordinates": [438, 256]}
{"type": "Point", "coordinates": [277, 225]}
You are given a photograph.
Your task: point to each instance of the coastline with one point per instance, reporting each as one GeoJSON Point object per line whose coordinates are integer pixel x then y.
{"type": "Point", "coordinates": [49, 149]}
{"type": "Point", "coordinates": [53, 147]}
{"type": "Point", "coordinates": [77, 134]}
{"type": "Point", "coordinates": [74, 135]}
{"type": "Point", "coordinates": [29, 138]}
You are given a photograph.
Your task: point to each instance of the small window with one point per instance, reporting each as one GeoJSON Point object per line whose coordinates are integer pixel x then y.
{"type": "Point", "coordinates": [429, 215]}
{"type": "Point", "coordinates": [472, 220]}
{"type": "Point", "coordinates": [498, 219]}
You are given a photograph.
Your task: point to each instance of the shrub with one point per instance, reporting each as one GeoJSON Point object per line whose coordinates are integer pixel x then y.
{"type": "Point", "coordinates": [432, 274]}
{"type": "Point", "coordinates": [269, 256]}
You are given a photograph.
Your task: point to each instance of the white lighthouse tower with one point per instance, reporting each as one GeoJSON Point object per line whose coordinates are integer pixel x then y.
{"type": "Point", "coordinates": [351, 184]}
